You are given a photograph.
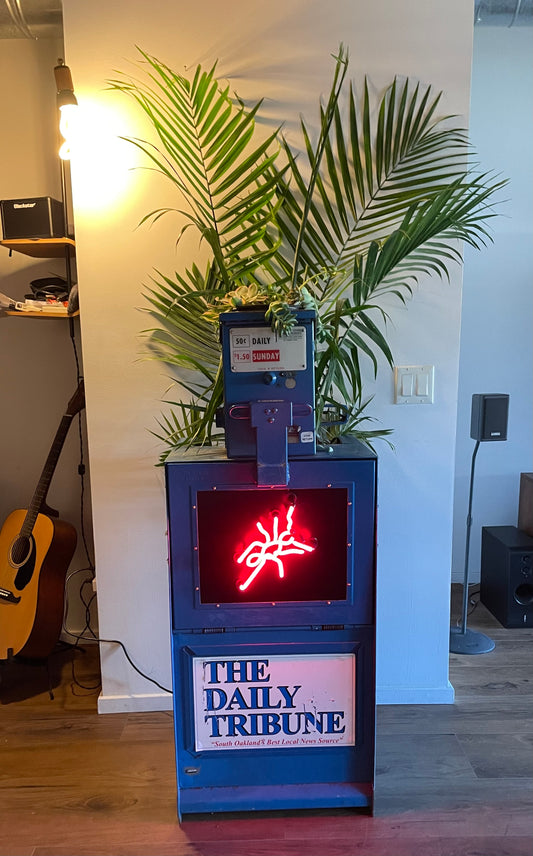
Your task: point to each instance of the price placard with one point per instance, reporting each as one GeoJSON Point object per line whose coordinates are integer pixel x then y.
{"type": "Point", "coordinates": [256, 349]}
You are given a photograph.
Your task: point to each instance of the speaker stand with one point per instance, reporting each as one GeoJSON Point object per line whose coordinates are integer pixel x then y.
{"type": "Point", "coordinates": [462, 640]}
{"type": "Point", "coordinates": [469, 642]}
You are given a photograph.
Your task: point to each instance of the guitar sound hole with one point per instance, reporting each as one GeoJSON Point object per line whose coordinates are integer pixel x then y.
{"type": "Point", "coordinates": [20, 550]}
{"type": "Point", "coordinates": [26, 564]}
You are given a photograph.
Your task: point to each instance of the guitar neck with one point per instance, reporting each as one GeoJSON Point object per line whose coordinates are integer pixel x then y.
{"type": "Point", "coordinates": [46, 476]}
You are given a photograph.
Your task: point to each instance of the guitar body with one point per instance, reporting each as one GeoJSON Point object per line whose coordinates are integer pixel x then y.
{"type": "Point", "coordinates": [32, 590]}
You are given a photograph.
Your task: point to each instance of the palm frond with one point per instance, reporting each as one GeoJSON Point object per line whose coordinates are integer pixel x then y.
{"type": "Point", "coordinates": [375, 172]}
{"type": "Point", "coordinates": [204, 147]}
{"type": "Point", "coordinates": [381, 196]}
{"type": "Point", "coordinates": [178, 305]}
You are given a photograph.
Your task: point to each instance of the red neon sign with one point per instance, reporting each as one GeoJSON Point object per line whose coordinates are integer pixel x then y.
{"type": "Point", "coordinates": [228, 530]}
{"type": "Point", "coordinates": [275, 545]}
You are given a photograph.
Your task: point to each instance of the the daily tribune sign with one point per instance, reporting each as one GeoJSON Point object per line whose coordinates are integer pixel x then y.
{"type": "Point", "coordinates": [274, 701]}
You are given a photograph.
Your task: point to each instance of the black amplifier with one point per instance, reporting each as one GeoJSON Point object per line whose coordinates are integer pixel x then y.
{"type": "Point", "coordinates": [37, 217]}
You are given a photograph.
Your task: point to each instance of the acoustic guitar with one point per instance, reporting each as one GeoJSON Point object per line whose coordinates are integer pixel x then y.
{"type": "Point", "coordinates": [36, 549]}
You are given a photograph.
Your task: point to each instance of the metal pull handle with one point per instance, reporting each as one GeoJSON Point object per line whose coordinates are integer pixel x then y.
{"type": "Point", "coordinates": [236, 409]}
{"type": "Point", "coordinates": [243, 411]}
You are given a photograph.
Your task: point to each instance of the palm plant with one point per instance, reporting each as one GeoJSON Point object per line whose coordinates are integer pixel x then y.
{"type": "Point", "coordinates": [383, 197]}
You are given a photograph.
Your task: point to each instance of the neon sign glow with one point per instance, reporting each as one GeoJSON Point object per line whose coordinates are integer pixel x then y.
{"type": "Point", "coordinates": [273, 548]}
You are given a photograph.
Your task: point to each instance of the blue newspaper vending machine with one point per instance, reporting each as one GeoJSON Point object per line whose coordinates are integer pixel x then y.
{"type": "Point", "coordinates": [272, 584]}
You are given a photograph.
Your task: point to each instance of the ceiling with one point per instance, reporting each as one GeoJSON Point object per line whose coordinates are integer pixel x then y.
{"type": "Point", "coordinates": [503, 13]}
{"type": "Point", "coordinates": [39, 19]}
{"type": "Point", "coordinates": [31, 19]}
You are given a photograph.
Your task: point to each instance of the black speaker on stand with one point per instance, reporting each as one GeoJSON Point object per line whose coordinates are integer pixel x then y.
{"type": "Point", "coordinates": [489, 422]}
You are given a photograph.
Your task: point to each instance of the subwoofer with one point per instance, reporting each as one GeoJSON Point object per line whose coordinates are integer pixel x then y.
{"type": "Point", "coordinates": [507, 575]}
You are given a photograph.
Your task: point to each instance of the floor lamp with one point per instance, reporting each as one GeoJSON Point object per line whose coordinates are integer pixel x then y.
{"type": "Point", "coordinates": [488, 422]}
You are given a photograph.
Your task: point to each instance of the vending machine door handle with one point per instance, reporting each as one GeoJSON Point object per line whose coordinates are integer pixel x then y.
{"type": "Point", "coordinates": [271, 420]}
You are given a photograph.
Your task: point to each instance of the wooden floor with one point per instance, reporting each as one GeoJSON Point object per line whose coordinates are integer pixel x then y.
{"type": "Point", "coordinates": [452, 780]}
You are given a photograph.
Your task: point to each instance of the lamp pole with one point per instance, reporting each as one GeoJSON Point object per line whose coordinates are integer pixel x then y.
{"type": "Point", "coordinates": [66, 100]}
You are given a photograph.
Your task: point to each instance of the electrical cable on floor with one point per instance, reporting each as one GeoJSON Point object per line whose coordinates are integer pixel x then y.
{"type": "Point", "coordinates": [78, 636]}
{"type": "Point", "coordinates": [99, 639]}
{"type": "Point", "coordinates": [132, 664]}
{"type": "Point", "coordinates": [472, 601]}
{"type": "Point", "coordinates": [93, 637]}
{"type": "Point", "coordinates": [76, 683]}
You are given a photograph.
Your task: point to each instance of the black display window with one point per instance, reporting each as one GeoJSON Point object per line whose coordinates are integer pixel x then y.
{"type": "Point", "coordinates": [270, 546]}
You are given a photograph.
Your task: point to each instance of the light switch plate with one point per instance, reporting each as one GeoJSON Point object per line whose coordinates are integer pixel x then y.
{"type": "Point", "coordinates": [413, 384]}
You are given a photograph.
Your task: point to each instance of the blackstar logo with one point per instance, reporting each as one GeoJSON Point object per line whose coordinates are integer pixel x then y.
{"type": "Point", "coordinates": [24, 205]}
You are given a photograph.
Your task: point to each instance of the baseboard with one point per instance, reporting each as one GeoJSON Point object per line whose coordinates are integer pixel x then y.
{"type": "Point", "coordinates": [415, 695]}
{"type": "Point", "coordinates": [134, 704]}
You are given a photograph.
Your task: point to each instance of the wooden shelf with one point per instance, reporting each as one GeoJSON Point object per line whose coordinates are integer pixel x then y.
{"type": "Point", "coordinates": [40, 248]}
{"type": "Point", "coordinates": [20, 314]}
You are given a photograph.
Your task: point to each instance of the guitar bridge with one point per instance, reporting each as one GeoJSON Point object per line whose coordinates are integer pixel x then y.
{"type": "Point", "coordinates": [8, 596]}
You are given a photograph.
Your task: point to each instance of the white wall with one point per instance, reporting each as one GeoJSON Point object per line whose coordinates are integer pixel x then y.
{"type": "Point", "coordinates": [281, 51]}
{"type": "Point", "coordinates": [497, 315]}
{"type": "Point", "coordinates": [37, 365]}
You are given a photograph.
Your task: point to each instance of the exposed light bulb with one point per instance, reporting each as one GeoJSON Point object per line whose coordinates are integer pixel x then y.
{"type": "Point", "coordinates": [66, 101]}
{"type": "Point", "coordinates": [67, 127]}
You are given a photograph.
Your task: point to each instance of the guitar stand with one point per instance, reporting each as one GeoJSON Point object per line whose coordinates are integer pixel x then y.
{"type": "Point", "coordinates": [34, 661]}
{"type": "Point", "coordinates": [26, 661]}
{"type": "Point", "coordinates": [43, 662]}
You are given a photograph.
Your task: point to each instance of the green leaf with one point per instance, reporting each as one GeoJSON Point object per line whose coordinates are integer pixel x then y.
{"type": "Point", "coordinates": [383, 193]}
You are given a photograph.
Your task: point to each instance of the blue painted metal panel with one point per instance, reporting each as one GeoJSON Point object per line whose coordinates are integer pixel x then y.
{"type": "Point", "coordinates": [353, 469]}
{"type": "Point", "coordinates": [277, 797]}
{"type": "Point", "coordinates": [263, 382]}
{"type": "Point", "coordinates": [206, 778]}
{"type": "Point", "coordinates": [303, 776]}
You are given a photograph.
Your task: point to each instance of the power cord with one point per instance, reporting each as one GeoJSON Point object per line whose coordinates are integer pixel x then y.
{"type": "Point", "coordinates": [92, 637]}
{"type": "Point", "coordinates": [81, 465]}
{"type": "Point", "coordinates": [471, 598]}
